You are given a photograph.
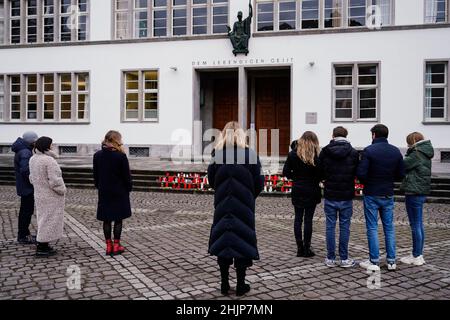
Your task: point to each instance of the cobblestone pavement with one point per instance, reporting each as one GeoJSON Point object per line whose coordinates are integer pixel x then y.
{"type": "Point", "coordinates": [166, 258]}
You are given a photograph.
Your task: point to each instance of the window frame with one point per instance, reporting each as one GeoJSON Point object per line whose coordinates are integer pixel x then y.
{"type": "Point", "coordinates": [40, 93]}
{"type": "Point", "coordinates": [355, 92]}
{"type": "Point", "coordinates": [208, 25]}
{"type": "Point", "coordinates": [186, 8]}
{"type": "Point", "coordinates": [2, 97]}
{"type": "Point", "coordinates": [141, 91]}
{"type": "Point", "coordinates": [446, 86]}
{"type": "Point", "coordinates": [447, 13]}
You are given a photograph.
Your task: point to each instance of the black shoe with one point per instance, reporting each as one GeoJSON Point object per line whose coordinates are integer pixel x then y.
{"type": "Point", "coordinates": [300, 250]}
{"type": "Point", "coordinates": [242, 289]}
{"type": "Point", "coordinates": [27, 240]}
{"type": "Point", "coordinates": [309, 253]}
{"type": "Point", "coordinates": [45, 251]}
{"type": "Point", "coordinates": [224, 287]}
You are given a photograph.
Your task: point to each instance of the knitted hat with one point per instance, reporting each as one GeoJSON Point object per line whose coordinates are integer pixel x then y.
{"type": "Point", "coordinates": [30, 137]}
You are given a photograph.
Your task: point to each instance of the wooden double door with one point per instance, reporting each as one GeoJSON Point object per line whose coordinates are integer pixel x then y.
{"type": "Point", "coordinates": [272, 107]}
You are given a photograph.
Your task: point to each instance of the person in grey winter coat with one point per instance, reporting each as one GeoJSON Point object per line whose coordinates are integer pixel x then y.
{"type": "Point", "coordinates": [49, 192]}
{"type": "Point", "coordinates": [22, 148]}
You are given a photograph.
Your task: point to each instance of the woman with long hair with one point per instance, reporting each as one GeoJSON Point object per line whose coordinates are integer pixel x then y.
{"type": "Point", "coordinates": [235, 175]}
{"type": "Point", "coordinates": [301, 167]}
{"type": "Point", "coordinates": [112, 178]}
{"type": "Point", "coordinates": [416, 185]}
{"type": "Point", "coordinates": [49, 193]}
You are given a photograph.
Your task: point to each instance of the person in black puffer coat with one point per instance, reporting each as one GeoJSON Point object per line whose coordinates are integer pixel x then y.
{"type": "Point", "coordinates": [338, 162]}
{"type": "Point", "coordinates": [235, 175]}
{"type": "Point", "coordinates": [301, 167]}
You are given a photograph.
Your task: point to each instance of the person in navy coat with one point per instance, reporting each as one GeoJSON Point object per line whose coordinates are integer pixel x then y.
{"type": "Point", "coordinates": [112, 178]}
{"type": "Point", "coordinates": [235, 175]}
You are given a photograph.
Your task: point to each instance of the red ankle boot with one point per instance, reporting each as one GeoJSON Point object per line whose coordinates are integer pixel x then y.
{"type": "Point", "coordinates": [117, 248]}
{"type": "Point", "coordinates": [109, 247]}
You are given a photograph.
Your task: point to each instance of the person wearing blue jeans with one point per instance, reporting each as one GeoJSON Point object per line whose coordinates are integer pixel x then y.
{"type": "Point", "coordinates": [381, 164]}
{"type": "Point", "coordinates": [342, 210]}
{"type": "Point", "coordinates": [384, 206]}
{"type": "Point", "coordinates": [338, 162]}
{"type": "Point", "coordinates": [417, 185]}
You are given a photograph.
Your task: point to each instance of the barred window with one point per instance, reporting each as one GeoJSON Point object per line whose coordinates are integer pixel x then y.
{"type": "Point", "coordinates": [264, 16]}
{"type": "Point", "coordinates": [355, 92]}
{"type": "Point", "coordinates": [199, 16]}
{"type": "Point", "coordinates": [310, 14]}
{"type": "Point", "coordinates": [160, 18]}
{"type": "Point", "coordinates": [436, 91]}
{"type": "Point", "coordinates": [436, 11]}
{"type": "Point", "coordinates": [179, 18]}
{"type": "Point", "coordinates": [140, 95]}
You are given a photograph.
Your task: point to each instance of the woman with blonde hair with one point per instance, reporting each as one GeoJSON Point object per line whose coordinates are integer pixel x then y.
{"type": "Point", "coordinates": [112, 178]}
{"type": "Point", "coordinates": [416, 185]}
{"type": "Point", "coordinates": [301, 167]}
{"type": "Point", "coordinates": [235, 175]}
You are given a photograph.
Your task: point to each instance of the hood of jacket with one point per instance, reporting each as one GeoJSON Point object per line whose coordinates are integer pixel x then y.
{"type": "Point", "coordinates": [338, 149]}
{"type": "Point", "coordinates": [19, 145]}
{"type": "Point", "coordinates": [425, 147]}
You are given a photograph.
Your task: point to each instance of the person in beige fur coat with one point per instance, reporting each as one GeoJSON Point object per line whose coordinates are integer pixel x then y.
{"type": "Point", "coordinates": [49, 192]}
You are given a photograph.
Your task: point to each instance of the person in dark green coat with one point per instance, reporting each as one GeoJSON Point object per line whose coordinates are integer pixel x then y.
{"type": "Point", "coordinates": [416, 185]}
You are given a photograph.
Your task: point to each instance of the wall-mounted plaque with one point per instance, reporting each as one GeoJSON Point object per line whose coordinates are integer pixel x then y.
{"type": "Point", "coordinates": [311, 117]}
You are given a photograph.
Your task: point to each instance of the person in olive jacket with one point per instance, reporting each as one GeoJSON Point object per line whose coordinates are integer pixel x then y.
{"type": "Point", "coordinates": [112, 178]}
{"type": "Point", "coordinates": [416, 186]}
{"type": "Point", "coordinates": [301, 167]}
{"type": "Point", "coordinates": [235, 175]}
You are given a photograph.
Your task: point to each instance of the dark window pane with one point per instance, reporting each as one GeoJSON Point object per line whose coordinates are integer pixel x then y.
{"type": "Point", "coordinates": [343, 113]}
{"type": "Point", "coordinates": [368, 94]}
{"type": "Point", "coordinates": [199, 30]}
{"type": "Point", "coordinates": [367, 114]}
{"type": "Point", "coordinates": [437, 113]}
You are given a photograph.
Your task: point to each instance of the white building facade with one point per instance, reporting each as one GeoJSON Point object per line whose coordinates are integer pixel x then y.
{"type": "Point", "coordinates": [73, 69]}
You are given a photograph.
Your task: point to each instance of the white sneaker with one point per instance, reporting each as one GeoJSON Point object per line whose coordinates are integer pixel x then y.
{"type": "Point", "coordinates": [330, 263]}
{"type": "Point", "coordinates": [408, 260]}
{"type": "Point", "coordinates": [391, 266]}
{"type": "Point", "coordinates": [347, 263]}
{"type": "Point", "coordinates": [419, 261]}
{"type": "Point", "coordinates": [368, 265]}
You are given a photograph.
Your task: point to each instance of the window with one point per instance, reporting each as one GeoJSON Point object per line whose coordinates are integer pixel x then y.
{"type": "Point", "coordinates": [122, 19]}
{"type": "Point", "coordinates": [140, 95]}
{"type": "Point", "coordinates": [310, 14]}
{"type": "Point", "coordinates": [31, 21]}
{"type": "Point", "coordinates": [140, 19]}
{"type": "Point", "coordinates": [160, 18]}
{"type": "Point", "coordinates": [355, 92]}
{"type": "Point", "coordinates": [436, 91]}
{"type": "Point", "coordinates": [49, 20]}
{"type": "Point", "coordinates": [386, 11]}
{"type": "Point", "coordinates": [65, 97]}
{"type": "Point", "coordinates": [48, 99]}
{"type": "Point", "coordinates": [2, 22]}
{"type": "Point", "coordinates": [15, 97]}
{"type": "Point", "coordinates": [31, 95]}
{"type": "Point", "coordinates": [65, 23]}
{"type": "Point", "coordinates": [287, 15]}
{"type": "Point", "coordinates": [82, 22]}
{"type": "Point", "coordinates": [45, 97]}
{"type": "Point", "coordinates": [14, 21]}
{"type": "Point", "coordinates": [265, 16]}
{"type": "Point", "coordinates": [179, 18]}
{"type": "Point", "coordinates": [219, 16]}
{"type": "Point", "coordinates": [2, 96]}
{"type": "Point", "coordinates": [333, 13]}
{"type": "Point", "coordinates": [199, 16]}
{"type": "Point", "coordinates": [356, 13]}
{"type": "Point", "coordinates": [436, 11]}
{"type": "Point", "coordinates": [82, 95]}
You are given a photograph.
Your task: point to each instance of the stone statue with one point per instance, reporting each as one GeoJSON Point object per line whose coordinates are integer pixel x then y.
{"type": "Point", "coordinates": [241, 32]}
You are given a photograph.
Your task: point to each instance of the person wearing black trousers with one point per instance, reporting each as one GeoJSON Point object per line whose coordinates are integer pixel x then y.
{"type": "Point", "coordinates": [235, 175]}
{"type": "Point", "coordinates": [22, 148]}
{"type": "Point", "coordinates": [301, 167]}
{"type": "Point", "coordinates": [112, 178]}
